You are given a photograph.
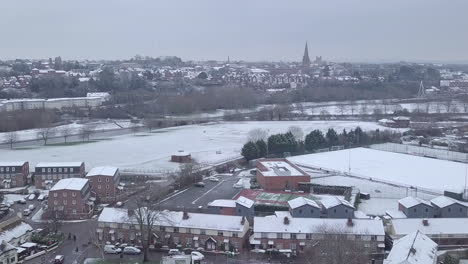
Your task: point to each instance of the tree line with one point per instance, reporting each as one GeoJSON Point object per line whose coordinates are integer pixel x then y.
{"type": "Point", "coordinates": [293, 142]}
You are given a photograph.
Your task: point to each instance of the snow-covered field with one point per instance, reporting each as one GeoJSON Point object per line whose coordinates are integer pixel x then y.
{"type": "Point", "coordinates": [151, 151]}
{"type": "Point", "coordinates": [74, 128]}
{"type": "Point", "coordinates": [391, 167]}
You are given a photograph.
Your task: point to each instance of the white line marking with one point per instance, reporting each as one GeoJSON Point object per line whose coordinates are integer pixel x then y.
{"type": "Point", "coordinates": [194, 201]}
{"type": "Point", "coordinates": [172, 196]}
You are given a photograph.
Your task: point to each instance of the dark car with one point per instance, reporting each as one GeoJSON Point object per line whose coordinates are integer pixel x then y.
{"type": "Point", "coordinates": [199, 184]}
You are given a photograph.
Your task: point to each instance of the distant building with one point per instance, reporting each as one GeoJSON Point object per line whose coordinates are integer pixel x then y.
{"type": "Point", "coordinates": [46, 174]}
{"type": "Point", "coordinates": [104, 182]}
{"type": "Point", "coordinates": [283, 232]}
{"type": "Point", "coordinates": [396, 122]}
{"type": "Point", "coordinates": [306, 58]}
{"type": "Point", "coordinates": [174, 229]}
{"type": "Point", "coordinates": [70, 199]}
{"type": "Point", "coordinates": [181, 157]}
{"type": "Point", "coordinates": [280, 174]}
{"type": "Point", "coordinates": [414, 248]}
{"type": "Point", "coordinates": [303, 207]}
{"type": "Point", "coordinates": [334, 207]}
{"type": "Point", "coordinates": [14, 174]}
{"type": "Point", "coordinates": [242, 206]}
{"type": "Point", "coordinates": [414, 207]}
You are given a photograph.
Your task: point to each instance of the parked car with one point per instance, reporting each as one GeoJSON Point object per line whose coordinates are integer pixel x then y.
{"type": "Point", "coordinates": [21, 201]}
{"type": "Point", "coordinates": [253, 172]}
{"type": "Point", "coordinates": [31, 197]}
{"type": "Point", "coordinates": [26, 212]}
{"type": "Point", "coordinates": [131, 251]}
{"type": "Point", "coordinates": [199, 184]}
{"type": "Point", "coordinates": [41, 197]}
{"type": "Point", "coordinates": [213, 179]}
{"type": "Point", "coordinates": [173, 252]}
{"type": "Point", "coordinates": [119, 204]}
{"type": "Point", "coordinates": [111, 249]}
{"type": "Point", "coordinates": [31, 207]}
{"type": "Point", "coordinates": [197, 255]}
{"type": "Point", "coordinates": [59, 259]}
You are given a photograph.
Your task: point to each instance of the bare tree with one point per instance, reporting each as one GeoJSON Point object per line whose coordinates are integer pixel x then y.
{"type": "Point", "coordinates": [65, 131]}
{"type": "Point", "coordinates": [342, 108]}
{"type": "Point", "coordinates": [300, 108]}
{"type": "Point", "coordinates": [147, 213]}
{"type": "Point", "coordinates": [465, 106]}
{"type": "Point", "coordinates": [151, 124]}
{"type": "Point", "coordinates": [296, 132]}
{"type": "Point", "coordinates": [189, 173]}
{"type": "Point", "coordinates": [134, 128]}
{"type": "Point", "coordinates": [45, 133]}
{"type": "Point", "coordinates": [12, 138]}
{"type": "Point", "coordinates": [352, 107]}
{"type": "Point", "coordinates": [335, 247]}
{"type": "Point", "coordinates": [448, 105]}
{"type": "Point", "coordinates": [363, 109]}
{"type": "Point", "coordinates": [86, 131]}
{"type": "Point", "coordinates": [324, 114]}
{"type": "Point", "coordinates": [257, 134]}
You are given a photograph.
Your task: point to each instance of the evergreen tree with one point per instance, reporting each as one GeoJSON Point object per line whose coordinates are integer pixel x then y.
{"type": "Point", "coordinates": [262, 148]}
{"type": "Point", "coordinates": [315, 140]}
{"type": "Point", "coordinates": [332, 137]}
{"type": "Point", "coordinates": [250, 151]}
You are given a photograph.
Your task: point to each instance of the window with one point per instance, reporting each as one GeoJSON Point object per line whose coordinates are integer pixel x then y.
{"type": "Point", "coordinates": [346, 211]}
{"type": "Point", "coordinates": [312, 211]}
{"type": "Point", "coordinates": [334, 211]}
{"type": "Point", "coordinates": [55, 202]}
{"type": "Point", "coordinates": [74, 194]}
{"type": "Point", "coordinates": [43, 169]}
{"type": "Point", "coordinates": [373, 238]}
{"type": "Point", "coordinates": [293, 246]}
{"type": "Point", "coordinates": [99, 180]}
{"type": "Point", "coordinates": [279, 235]}
{"type": "Point", "coordinates": [427, 210]}
{"type": "Point", "coordinates": [64, 194]}
{"type": "Point", "coordinates": [450, 209]}
{"type": "Point", "coordinates": [1, 169]}
{"type": "Point", "coordinates": [264, 235]}
{"type": "Point", "coordinates": [13, 168]}
{"type": "Point", "coordinates": [107, 186]}
{"type": "Point", "coordinates": [176, 230]}
{"type": "Point", "coordinates": [65, 169]}
{"type": "Point", "coordinates": [74, 211]}
{"type": "Point", "coordinates": [460, 210]}
{"type": "Point", "coordinates": [7, 169]}
{"type": "Point", "coordinates": [300, 211]}
{"type": "Point", "coordinates": [48, 170]}
{"type": "Point", "coordinates": [293, 236]}
{"type": "Point", "coordinates": [414, 210]}
{"type": "Point", "coordinates": [99, 186]}
{"type": "Point", "coordinates": [55, 194]}
{"type": "Point", "coordinates": [73, 201]}
{"type": "Point", "coordinates": [54, 170]}
{"type": "Point", "coordinates": [308, 236]}
{"type": "Point", "coordinates": [220, 233]}
{"type": "Point", "coordinates": [64, 202]}
{"type": "Point", "coordinates": [71, 170]}
{"type": "Point", "coordinates": [60, 170]}
{"type": "Point", "coordinates": [202, 232]}
{"type": "Point", "coordinates": [235, 234]}
{"type": "Point", "coordinates": [107, 179]}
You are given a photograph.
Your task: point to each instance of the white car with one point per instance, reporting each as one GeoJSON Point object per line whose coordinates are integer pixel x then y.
{"type": "Point", "coordinates": [197, 255]}
{"type": "Point", "coordinates": [131, 251]}
{"type": "Point", "coordinates": [111, 249]}
{"type": "Point", "coordinates": [213, 179]}
{"type": "Point", "coordinates": [31, 207]}
{"type": "Point", "coordinates": [31, 197]}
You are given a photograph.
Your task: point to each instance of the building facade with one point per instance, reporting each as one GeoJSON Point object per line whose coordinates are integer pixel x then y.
{"type": "Point", "coordinates": [303, 207]}
{"type": "Point", "coordinates": [70, 199]}
{"type": "Point", "coordinates": [280, 174]}
{"type": "Point", "coordinates": [334, 207]}
{"type": "Point", "coordinates": [14, 174]}
{"type": "Point", "coordinates": [414, 207]}
{"type": "Point", "coordinates": [46, 174]}
{"type": "Point", "coordinates": [190, 230]}
{"type": "Point", "coordinates": [446, 207]}
{"type": "Point", "coordinates": [8, 253]}
{"type": "Point", "coordinates": [104, 183]}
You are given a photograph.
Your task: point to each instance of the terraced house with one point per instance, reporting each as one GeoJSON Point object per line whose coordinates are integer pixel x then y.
{"type": "Point", "coordinates": [46, 174]}
{"type": "Point", "coordinates": [192, 230]}
{"type": "Point", "coordinates": [14, 174]}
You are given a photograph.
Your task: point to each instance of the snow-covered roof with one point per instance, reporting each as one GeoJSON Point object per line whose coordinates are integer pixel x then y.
{"type": "Point", "coordinates": [175, 219]}
{"type": "Point", "coordinates": [411, 201]}
{"type": "Point", "coordinates": [5, 246]}
{"type": "Point", "coordinates": [330, 202]}
{"type": "Point", "coordinates": [103, 171]}
{"type": "Point", "coordinates": [74, 184]}
{"type": "Point", "coordinates": [413, 248]}
{"type": "Point", "coordinates": [279, 168]}
{"type": "Point", "coordinates": [58, 164]}
{"type": "Point", "coordinates": [223, 203]}
{"type": "Point", "coordinates": [15, 232]}
{"type": "Point", "coordinates": [401, 118]}
{"type": "Point", "coordinates": [12, 163]}
{"type": "Point", "coordinates": [435, 226]}
{"type": "Point", "coordinates": [181, 153]}
{"type": "Point", "coordinates": [444, 201]}
{"type": "Point", "coordinates": [395, 214]}
{"type": "Point", "coordinates": [300, 201]}
{"type": "Point", "coordinates": [275, 224]}
{"type": "Point", "coordinates": [246, 202]}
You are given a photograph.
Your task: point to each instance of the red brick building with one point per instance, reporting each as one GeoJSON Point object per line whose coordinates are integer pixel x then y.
{"type": "Point", "coordinates": [104, 182]}
{"type": "Point", "coordinates": [181, 157]}
{"type": "Point", "coordinates": [46, 174]}
{"type": "Point", "coordinates": [279, 174]}
{"type": "Point", "coordinates": [13, 174]}
{"type": "Point", "coordinates": [70, 199]}
{"type": "Point", "coordinates": [190, 230]}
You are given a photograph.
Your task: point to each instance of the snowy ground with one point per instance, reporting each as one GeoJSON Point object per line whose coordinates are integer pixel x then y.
{"type": "Point", "coordinates": [151, 151]}
{"type": "Point", "coordinates": [391, 167]}
{"type": "Point", "coordinates": [74, 128]}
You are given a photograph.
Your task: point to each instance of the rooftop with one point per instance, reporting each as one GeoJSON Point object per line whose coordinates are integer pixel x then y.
{"type": "Point", "coordinates": [413, 248]}
{"type": "Point", "coordinates": [275, 224]}
{"type": "Point", "coordinates": [436, 226]}
{"type": "Point", "coordinates": [12, 163]}
{"type": "Point", "coordinates": [301, 201]}
{"type": "Point", "coordinates": [223, 203]}
{"type": "Point", "coordinates": [444, 201]}
{"type": "Point", "coordinates": [246, 202]}
{"type": "Point", "coordinates": [411, 201]}
{"type": "Point", "coordinates": [103, 171]}
{"type": "Point", "coordinates": [332, 201]}
{"type": "Point", "coordinates": [58, 164]}
{"type": "Point", "coordinates": [279, 168]}
{"type": "Point", "coordinates": [74, 184]}
{"type": "Point", "coordinates": [172, 218]}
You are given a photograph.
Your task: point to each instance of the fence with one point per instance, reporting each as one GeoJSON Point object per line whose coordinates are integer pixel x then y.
{"type": "Point", "coordinates": [422, 151]}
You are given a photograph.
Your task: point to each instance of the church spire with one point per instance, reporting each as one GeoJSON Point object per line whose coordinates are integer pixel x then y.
{"type": "Point", "coordinates": [306, 58]}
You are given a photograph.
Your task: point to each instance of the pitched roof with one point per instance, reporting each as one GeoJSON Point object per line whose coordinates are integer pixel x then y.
{"type": "Point", "coordinates": [246, 202]}
{"type": "Point", "coordinates": [413, 248]}
{"type": "Point", "coordinates": [59, 164]}
{"type": "Point", "coordinates": [332, 201]}
{"type": "Point", "coordinates": [74, 184]}
{"type": "Point", "coordinates": [102, 171]}
{"type": "Point", "coordinates": [300, 201]}
{"type": "Point", "coordinates": [12, 163]}
{"type": "Point", "coordinates": [435, 226]}
{"type": "Point", "coordinates": [444, 201]}
{"type": "Point", "coordinates": [411, 201]}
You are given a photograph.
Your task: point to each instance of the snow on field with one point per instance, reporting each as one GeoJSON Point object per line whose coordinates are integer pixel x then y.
{"type": "Point", "coordinates": [74, 128]}
{"type": "Point", "coordinates": [421, 172]}
{"type": "Point", "coordinates": [153, 150]}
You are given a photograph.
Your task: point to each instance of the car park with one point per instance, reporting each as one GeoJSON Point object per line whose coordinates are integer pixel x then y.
{"type": "Point", "coordinates": [111, 249]}
{"type": "Point", "coordinates": [131, 251]}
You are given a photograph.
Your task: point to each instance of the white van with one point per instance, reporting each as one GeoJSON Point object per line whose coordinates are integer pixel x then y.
{"type": "Point", "coordinates": [31, 207]}
{"type": "Point", "coordinates": [26, 212]}
{"type": "Point", "coordinates": [111, 249]}
{"type": "Point", "coordinates": [31, 197]}
{"type": "Point", "coordinates": [41, 197]}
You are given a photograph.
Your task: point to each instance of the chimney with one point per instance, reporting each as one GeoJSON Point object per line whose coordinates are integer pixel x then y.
{"type": "Point", "coordinates": [185, 216]}
{"type": "Point", "coordinates": [412, 250]}
{"type": "Point", "coordinates": [286, 220]}
{"type": "Point", "coordinates": [425, 222]}
{"type": "Point", "coordinates": [243, 220]}
{"type": "Point", "coordinates": [350, 222]}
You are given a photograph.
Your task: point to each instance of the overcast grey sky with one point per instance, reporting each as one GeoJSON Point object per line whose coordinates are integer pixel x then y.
{"type": "Point", "coordinates": [341, 30]}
